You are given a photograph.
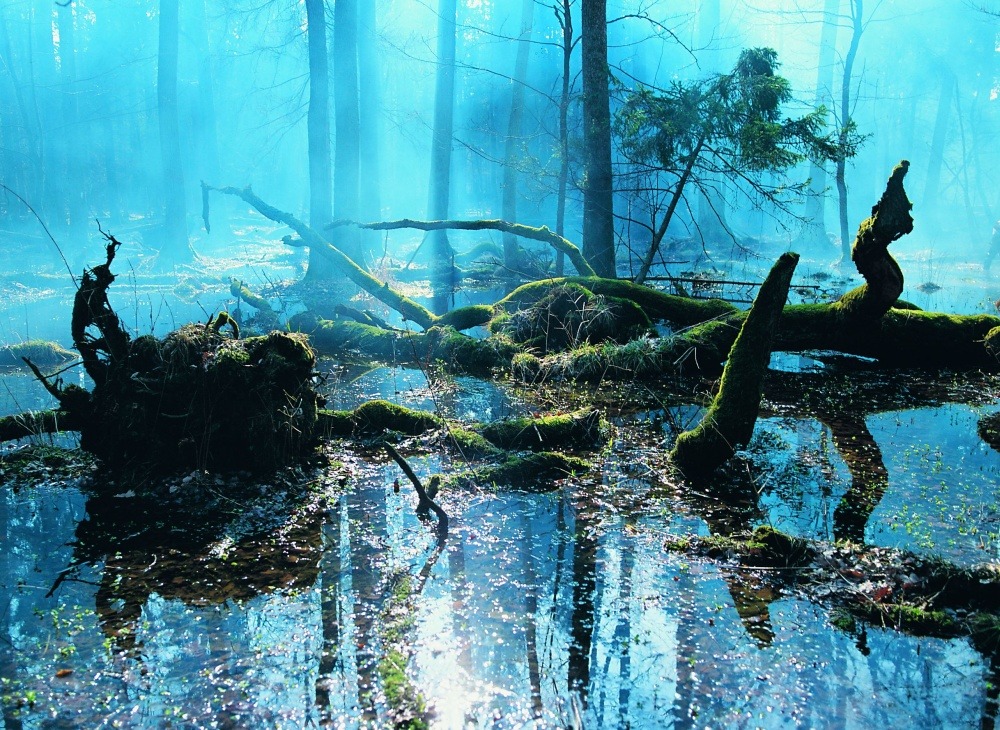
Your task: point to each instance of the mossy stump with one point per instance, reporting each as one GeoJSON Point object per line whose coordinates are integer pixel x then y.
{"type": "Point", "coordinates": [200, 399]}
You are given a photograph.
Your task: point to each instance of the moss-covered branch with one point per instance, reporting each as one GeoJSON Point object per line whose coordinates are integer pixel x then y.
{"type": "Point", "coordinates": [311, 238]}
{"type": "Point", "coordinates": [542, 234]}
{"type": "Point", "coordinates": [730, 419]}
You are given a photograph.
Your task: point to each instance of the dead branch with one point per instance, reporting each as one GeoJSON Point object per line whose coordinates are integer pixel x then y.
{"type": "Point", "coordinates": [542, 234]}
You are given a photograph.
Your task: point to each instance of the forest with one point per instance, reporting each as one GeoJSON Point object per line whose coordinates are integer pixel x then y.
{"type": "Point", "coordinates": [463, 363]}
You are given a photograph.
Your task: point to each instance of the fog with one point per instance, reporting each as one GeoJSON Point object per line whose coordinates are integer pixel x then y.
{"type": "Point", "coordinates": [80, 108]}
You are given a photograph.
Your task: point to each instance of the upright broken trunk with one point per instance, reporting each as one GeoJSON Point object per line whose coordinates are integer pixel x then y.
{"type": "Point", "coordinates": [890, 220]}
{"type": "Point", "coordinates": [731, 417]}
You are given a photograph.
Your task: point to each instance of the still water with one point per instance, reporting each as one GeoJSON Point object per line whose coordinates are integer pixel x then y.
{"type": "Point", "coordinates": [534, 610]}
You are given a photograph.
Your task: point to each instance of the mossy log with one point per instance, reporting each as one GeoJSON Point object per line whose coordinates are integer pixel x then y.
{"type": "Point", "coordinates": [438, 344]}
{"type": "Point", "coordinates": [34, 423]}
{"type": "Point", "coordinates": [532, 472]}
{"type": "Point", "coordinates": [580, 429]}
{"type": "Point", "coordinates": [731, 417]}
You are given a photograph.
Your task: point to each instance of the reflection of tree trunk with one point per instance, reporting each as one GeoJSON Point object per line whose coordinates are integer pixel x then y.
{"type": "Point", "coordinates": [329, 577]}
{"type": "Point", "coordinates": [869, 477]}
{"type": "Point", "coordinates": [368, 538]}
{"type": "Point", "coordinates": [8, 652]}
{"type": "Point", "coordinates": [991, 706]}
{"type": "Point", "coordinates": [459, 596]}
{"type": "Point", "coordinates": [584, 590]}
{"type": "Point", "coordinates": [623, 633]}
{"type": "Point", "coordinates": [752, 598]}
{"type": "Point", "coordinates": [531, 617]}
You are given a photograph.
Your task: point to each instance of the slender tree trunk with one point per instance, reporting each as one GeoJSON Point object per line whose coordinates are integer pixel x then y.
{"type": "Point", "coordinates": [318, 123]}
{"type": "Point", "coordinates": [175, 247]}
{"type": "Point", "coordinates": [440, 181]}
{"type": "Point", "coordinates": [511, 249]}
{"type": "Point", "coordinates": [565, 18]}
{"type": "Point", "coordinates": [936, 158]}
{"type": "Point", "coordinates": [857, 7]}
{"type": "Point", "coordinates": [346, 179]}
{"type": "Point", "coordinates": [75, 135]}
{"type": "Point", "coordinates": [598, 194]}
{"type": "Point", "coordinates": [711, 197]}
{"type": "Point", "coordinates": [207, 133]}
{"type": "Point", "coordinates": [331, 620]}
{"type": "Point", "coordinates": [370, 83]}
{"type": "Point", "coordinates": [814, 232]}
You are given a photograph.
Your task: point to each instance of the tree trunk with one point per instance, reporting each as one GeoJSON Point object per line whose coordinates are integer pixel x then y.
{"type": "Point", "coordinates": [207, 134]}
{"type": "Point", "coordinates": [318, 122]}
{"type": "Point", "coordinates": [857, 7]}
{"type": "Point", "coordinates": [440, 179]}
{"type": "Point", "coordinates": [598, 194]}
{"type": "Point", "coordinates": [76, 134]}
{"type": "Point", "coordinates": [711, 198]}
{"type": "Point", "coordinates": [814, 231]}
{"type": "Point", "coordinates": [511, 249]}
{"type": "Point", "coordinates": [565, 18]}
{"type": "Point", "coordinates": [936, 158]}
{"type": "Point", "coordinates": [347, 117]}
{"type": "Point", "coordinates": [175, 247]}
{"type": "Point", "coordinates": [370, 96]}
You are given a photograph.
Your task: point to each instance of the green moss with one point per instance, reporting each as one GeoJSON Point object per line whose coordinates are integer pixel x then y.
{"type": "Point", "coordinates": [531, 473]}
{"type": "Point", "coordinates": [569, 430]}
{"type": "Point", "coordinates": [844, 621]}
{"type": "Point", "coordinates": [377, 416]}
{"type": "Point", "coordinates": [42, 353]}
{"type": "Point", "coordinates": [908, 617]}
{"type": "Point", "coordinates": [465, 318]}
{"type": "Point", "coordinates": [239, 290]}
{"type": "Point", "coordinates": [992, 342]}
{"type": "Point", "coordinates": [525, 367]}
{"type": "Point", "coordinates": [471, 445]}
{"type": "Point", "coordinates": [780, 548]}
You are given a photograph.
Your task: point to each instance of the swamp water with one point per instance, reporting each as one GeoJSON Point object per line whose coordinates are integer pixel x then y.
{"type": "Point", "coordinates": [545, 610]}
{"type": "Point", "coordinates": [322, 600]}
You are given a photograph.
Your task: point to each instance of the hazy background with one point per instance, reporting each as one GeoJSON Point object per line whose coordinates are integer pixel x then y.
{"type": "Point", "coordinates": [79, 134]}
